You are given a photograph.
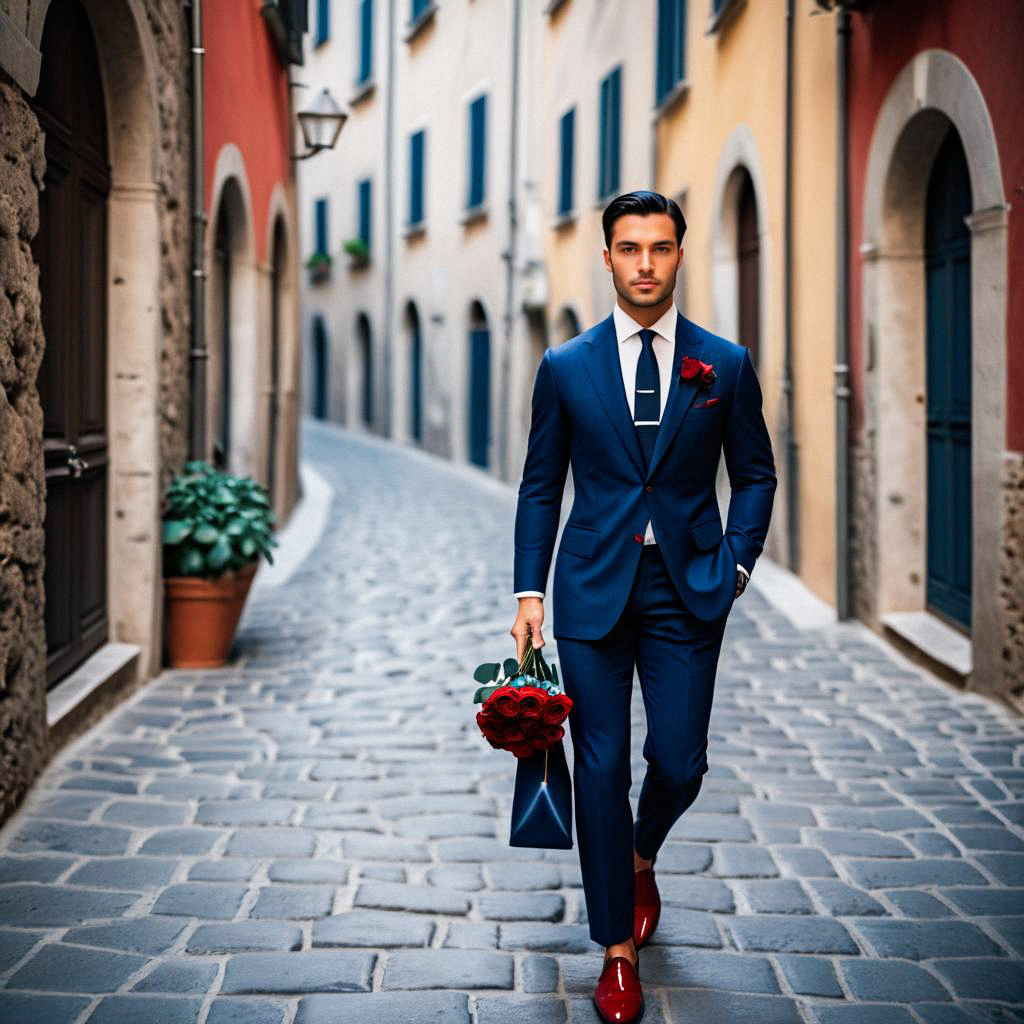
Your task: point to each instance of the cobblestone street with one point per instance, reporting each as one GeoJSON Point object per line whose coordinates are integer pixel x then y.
{"type": "Point", "coordinates": [318, 833]}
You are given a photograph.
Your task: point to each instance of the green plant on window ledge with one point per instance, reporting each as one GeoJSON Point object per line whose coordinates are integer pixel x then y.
{"type": "Point", "coordinates": [358, 250]}
{"type": "Point", "coordinates": [319, 266]}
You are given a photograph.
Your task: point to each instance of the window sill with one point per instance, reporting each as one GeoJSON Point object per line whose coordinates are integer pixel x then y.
{"type": "Point", "coordinates": [671, 99]}
{"type": "Point", "coordinates": [363, 90]}
{"type": "Point", "coordinates": [721, 21]}
{"type": "Point", "coordinates": [554, 6]}
{"type": "Point", "coordinates": [358, 262]}
{"type": "Point", "coordinates": [930, 641]}
{"type": "Point", "coordinates": [425, 17]}
{"type": "Point", "coordinates": [414, 231]}
{"type": "Point", "coordinates": [471, 216]}
{"type": "Point", "coordinates": [563, 220]}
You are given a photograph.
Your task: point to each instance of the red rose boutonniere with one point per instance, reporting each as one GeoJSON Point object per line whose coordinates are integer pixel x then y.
{"type": "Point", "coordinates": [694, 369]}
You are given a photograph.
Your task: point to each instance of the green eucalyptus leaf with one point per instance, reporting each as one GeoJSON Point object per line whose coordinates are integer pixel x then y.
{"type": "Point", "coordinates": [486, 673]}
{"type": "Point", "coordinates": [511, 667]}
{"type": "Point", "coordinates": [483, 693]}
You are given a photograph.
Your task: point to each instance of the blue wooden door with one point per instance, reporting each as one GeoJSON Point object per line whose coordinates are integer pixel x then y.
{"type": "Point", "coordinates": [319, 369]}
{"type": "Point", "coordinates": [948, 384]}
{"type": "Point", "coordinates": [479, 395]}
{"type": "Point", "coordinates": [416, 383]}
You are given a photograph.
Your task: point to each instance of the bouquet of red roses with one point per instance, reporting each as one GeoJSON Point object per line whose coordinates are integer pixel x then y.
{"type": "Point", "coordinates": [524, 709]}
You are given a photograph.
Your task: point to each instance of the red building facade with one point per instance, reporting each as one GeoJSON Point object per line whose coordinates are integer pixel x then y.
{"type": "Point", "coordinates": [249, 180]}
{"type": "Point", "coordinates": [937, 307]}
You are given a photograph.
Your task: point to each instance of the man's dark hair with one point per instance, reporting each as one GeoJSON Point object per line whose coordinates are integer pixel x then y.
{"type": "Point", "coordinates": [642, 201]}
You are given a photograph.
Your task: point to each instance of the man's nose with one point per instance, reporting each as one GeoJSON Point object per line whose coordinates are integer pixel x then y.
{"type": "Point", "coordinates": [645, 259]}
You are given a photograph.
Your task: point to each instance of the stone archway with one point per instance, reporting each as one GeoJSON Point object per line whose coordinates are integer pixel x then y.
{"type": "Point", "coordinates": [128, 63]}
{"type": "Point", "coordinates": [933, 93]}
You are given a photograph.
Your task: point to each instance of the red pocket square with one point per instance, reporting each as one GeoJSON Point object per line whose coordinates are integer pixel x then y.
{"type": "Point", "coordinates": [707, 405]}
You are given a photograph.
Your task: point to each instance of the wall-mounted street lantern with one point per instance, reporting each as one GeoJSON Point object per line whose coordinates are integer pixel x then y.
{"type": "Point", "coordinates": [321, 124]}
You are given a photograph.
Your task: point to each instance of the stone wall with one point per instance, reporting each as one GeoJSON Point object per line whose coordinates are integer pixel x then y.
{"type": "Point", "coordinates": [22, 489]}
{"type": "Point", "coordinates": [171, 34]}
{"type": "Point", "coordinates": [1011, 576]}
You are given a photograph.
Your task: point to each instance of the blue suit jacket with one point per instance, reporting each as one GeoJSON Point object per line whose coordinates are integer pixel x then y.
{"type": "Point", "coordinates": [581, 416]}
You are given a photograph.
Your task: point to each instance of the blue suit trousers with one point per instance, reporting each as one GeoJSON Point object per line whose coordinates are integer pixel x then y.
{"type": "Point", "coordinates": [675, 656]}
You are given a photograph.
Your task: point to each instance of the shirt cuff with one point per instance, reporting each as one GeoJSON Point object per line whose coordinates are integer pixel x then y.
{"type": "Point", "coordinates": [742, 570]}
{"type": "Point", "coordinates": [528, 593]}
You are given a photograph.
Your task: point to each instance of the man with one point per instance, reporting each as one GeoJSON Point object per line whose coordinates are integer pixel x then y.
{"type": "Point", "coordinates": [641, 405]}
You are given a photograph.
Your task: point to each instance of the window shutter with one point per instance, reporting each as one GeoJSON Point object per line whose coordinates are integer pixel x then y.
{"type": "Point", "coordinates": [320, 225]}
{"type": "Point", "coordinates": [323, 19]}
{"type": "Point", "coordinates": [565, 199]}
{"type": "Point", "coordinates": [416, 177]}
{"type": "Point", "coordinates": [366, 40]}
{"type": "Point", "coordinates": [364, 211]}
{"type": "Point", "coordinates": [477, 150]}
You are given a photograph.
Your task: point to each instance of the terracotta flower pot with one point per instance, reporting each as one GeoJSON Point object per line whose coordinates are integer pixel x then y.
{"type": "Point", "coordinates": [202, 616]}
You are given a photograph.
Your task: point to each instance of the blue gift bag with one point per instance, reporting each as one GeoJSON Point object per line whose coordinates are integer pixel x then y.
{"type": "Point", "coordinates": [542, 802]}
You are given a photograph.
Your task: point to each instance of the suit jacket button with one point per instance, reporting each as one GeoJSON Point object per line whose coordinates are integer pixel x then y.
{"type": "Point", "coordinates": [638, 537]}
{"type": "Point", "coordinates": [649, 488]}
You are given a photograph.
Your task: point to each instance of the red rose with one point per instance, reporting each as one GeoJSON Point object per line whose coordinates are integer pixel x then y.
{"type": "Point", "coordinates": [694, 369]}
{"type": "Point", "coordinates": [521, 749]}
{"type": "Point", "coordinates": [531, 701]}
{"type": "Point", "coordinates": [504, 700]}
{"type": "Point", "coordinates": [556, 708]}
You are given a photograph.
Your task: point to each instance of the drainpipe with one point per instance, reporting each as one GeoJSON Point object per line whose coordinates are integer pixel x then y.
{"type": "Point", "coordinates": [511, 252]}
{"type": "Point", "coordinates": [384, 381]}
{"type": "Point", "coordinates": [199, 352]}
{"type": "Point", "coordinates": [791, 454]}
{"type": "Point", "coordinates": [842, 369]}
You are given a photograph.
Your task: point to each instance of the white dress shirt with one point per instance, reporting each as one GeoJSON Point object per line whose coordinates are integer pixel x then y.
{"type": "Point", "coordinates": [627, 333]}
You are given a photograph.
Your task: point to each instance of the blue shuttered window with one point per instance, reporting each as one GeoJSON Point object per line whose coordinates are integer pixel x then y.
{"type": "Point", "coordinates": [671, 55]}
{"type": "Point", "coordinates": [567, 132]}
{"type": "Point", "coordinates": [477, 151]}
{"type": "Point", "coordinates": [418, 7]}
{"type": "Point", "coordinates": [364, 211]}
{"type": "Point", "coordinates": [365, 40]}
{"type": "Point", "coordinates": [320, 226]}
{"type": "Point", "coordinates": [417, 144]}
{"type": "Point", "coordinates": [609, 145]}
{"type": "Point", "coordinates": [323, 22]}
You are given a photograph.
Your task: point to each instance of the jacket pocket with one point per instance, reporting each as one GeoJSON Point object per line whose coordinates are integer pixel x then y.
{"type": "Point", "coordinates": [579, 540]}
{"type": "Point", "coordinates": [707, 533]}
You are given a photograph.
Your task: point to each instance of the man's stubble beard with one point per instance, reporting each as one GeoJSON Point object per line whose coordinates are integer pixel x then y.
{"type": "Point", "coordinates": [644, 301]}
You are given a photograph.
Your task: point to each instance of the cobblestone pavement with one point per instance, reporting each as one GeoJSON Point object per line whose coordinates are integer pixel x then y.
{"type": "Point", "coordinates": [319, 834]}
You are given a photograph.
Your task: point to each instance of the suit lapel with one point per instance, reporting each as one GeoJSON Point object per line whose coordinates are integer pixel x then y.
{"type": "Point", "coordinates": [680, 393]}
{"type": "Point", "coordinates": [605, 372]}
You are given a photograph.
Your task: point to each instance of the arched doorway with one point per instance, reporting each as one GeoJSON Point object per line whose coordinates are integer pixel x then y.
{"type": "Point", "coordinates": [320, 368]}
{"type": "Point", "coordinates": [415, 373]}
{"type": "Point", "coordinates": [220, 356]}
{"type": "Point", "coordinates": [748, 255]}
{"type": "Point", "coordinates": [568, 325]}
{"type": "Point", "coordinates": [947, 255]}
{"type": "Point", "coordinates": [71, 250]}
{"type": "Point", "coordinates": [278, 269]}
{"type": "Point", "coordinates": [479, 387]}
{"type": "Point", "coordinates": [364, 352]}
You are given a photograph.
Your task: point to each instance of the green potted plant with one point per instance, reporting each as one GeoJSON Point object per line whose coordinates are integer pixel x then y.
{"type": "Point", "coordinates": [358, 250]}
{"type": "Point", "coordinates": [215, 528]}
{"type": "Point", "coordinates": [319, 267]}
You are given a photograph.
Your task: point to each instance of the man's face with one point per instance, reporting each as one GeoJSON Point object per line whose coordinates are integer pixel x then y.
{"type": "Point", "coordinates": [644, 258]}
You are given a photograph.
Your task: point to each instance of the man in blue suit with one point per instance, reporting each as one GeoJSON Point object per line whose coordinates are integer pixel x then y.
{"type": "Point", "coordinates": [641, 406]}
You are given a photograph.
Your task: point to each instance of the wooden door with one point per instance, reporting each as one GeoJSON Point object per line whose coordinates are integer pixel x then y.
{"type": "Point", "coordinates": [948, 384]}
{"type": "Point", "coordinates": [479, 396]}
{"type": "Point", "coordinates": [319, 369]}
{"type": "Point", "coordinates": [71, 250]}
{"type": "Point", "coordinates": [416, 379]}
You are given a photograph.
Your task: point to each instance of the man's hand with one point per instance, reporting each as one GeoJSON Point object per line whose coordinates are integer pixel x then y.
{"type": "Point", "coordinates": [741, 582]}
{"type": "Point", "coordinates": [527, 624]}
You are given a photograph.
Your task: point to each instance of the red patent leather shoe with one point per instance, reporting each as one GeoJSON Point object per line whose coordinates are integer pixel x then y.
{"type": "Point", "coordinates": [618, 997]}
{"type": "Point", "coordinates": [646, 906]}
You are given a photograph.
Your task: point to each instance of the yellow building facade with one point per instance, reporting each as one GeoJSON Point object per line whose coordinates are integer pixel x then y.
{"type": "Point", "coordinates": [713, 136]}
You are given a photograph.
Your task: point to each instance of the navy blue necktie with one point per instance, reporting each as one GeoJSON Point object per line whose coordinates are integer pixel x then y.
{"type": "Point", "coordinates": [647, 396]}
